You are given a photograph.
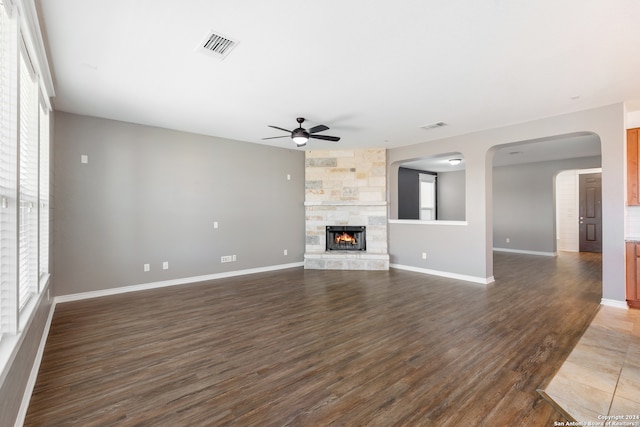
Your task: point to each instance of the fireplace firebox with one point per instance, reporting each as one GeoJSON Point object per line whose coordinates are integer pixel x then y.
{"type": "Point", "coordinates": [346, 238]}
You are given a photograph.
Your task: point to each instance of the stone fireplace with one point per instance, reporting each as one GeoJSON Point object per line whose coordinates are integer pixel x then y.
{"type": "Point", "coordinates": [346, 189]}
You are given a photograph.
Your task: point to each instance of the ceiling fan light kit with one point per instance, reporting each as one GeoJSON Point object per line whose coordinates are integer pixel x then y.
{"type": "Point", "coordinates": [301, 136]}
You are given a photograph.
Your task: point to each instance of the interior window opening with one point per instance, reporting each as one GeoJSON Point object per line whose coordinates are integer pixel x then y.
{"type": "Point", "coordinates": [432, 188]}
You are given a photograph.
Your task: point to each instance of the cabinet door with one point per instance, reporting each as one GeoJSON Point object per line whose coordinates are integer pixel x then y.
{"type": "Point", "coordinates": [632, 272]}
{"type": "Point", "coordinates": [632, 167]}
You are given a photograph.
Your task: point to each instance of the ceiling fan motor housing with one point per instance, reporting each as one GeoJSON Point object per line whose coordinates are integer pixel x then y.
{"type": "Point", "coordinates": [300, 136]}
{"type": "Point", "coordinates": [300, 133]}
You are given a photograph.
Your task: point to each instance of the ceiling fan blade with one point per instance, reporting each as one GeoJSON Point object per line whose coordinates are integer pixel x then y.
{"type": "Point", "coordinates": [318, 128]}
{"type": "Point", "coordinates": [276, 137]}
{"type": "Point", "coordinates": [325, 137]}
{"type": "Point", "coordinates": [276, 127]}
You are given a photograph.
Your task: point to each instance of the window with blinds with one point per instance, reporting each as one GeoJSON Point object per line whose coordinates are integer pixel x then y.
{"type": "Point", "coordinates": [24, 177]}
{"type": "Point", "coordinates": [8, 172]}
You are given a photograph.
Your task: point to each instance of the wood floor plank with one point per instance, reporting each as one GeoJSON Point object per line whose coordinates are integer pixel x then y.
{"type": "Point", "coordinates": [307, 348]}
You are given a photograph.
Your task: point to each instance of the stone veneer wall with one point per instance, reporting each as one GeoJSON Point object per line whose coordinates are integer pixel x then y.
{"type": "Point", "coordinates": [346, 187]}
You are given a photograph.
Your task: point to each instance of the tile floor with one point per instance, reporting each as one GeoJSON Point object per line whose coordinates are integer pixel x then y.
{"type": "Point", "coordinates": [601, 376]}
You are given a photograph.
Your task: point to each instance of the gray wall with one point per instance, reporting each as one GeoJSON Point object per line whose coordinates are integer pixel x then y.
{"type": "Point", "coordinates": [472, 244]}
{"type": "Point", "coordinates": [408, 193]}
{"type": "Point", "coordinates": [524, 203]}
{"type": "Point", "coordinates": [451, 196]}
{"type": "Point", "coordinates": [149, 195]}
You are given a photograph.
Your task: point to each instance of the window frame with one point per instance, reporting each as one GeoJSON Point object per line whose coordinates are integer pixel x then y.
{"type": "Point", "coordinates": [429, 180]}
{"type": "Point", "coordinates": [22, 41]}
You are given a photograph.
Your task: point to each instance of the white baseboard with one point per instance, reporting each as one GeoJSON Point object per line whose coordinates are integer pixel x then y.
{"type": "Point", "coordinates": [33, 375]}
{"type": "Point", "coordinates": [520, 251]}
{"type": "Point", "coordinates": [174, 282]}
{"type": "Point", "coordinates": [614, 303]}
{"type": "Point", "coordinates": [474, 279]}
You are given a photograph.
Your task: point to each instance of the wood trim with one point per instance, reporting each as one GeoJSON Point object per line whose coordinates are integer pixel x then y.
{"type": "Point", "coordinates": [632, 168]}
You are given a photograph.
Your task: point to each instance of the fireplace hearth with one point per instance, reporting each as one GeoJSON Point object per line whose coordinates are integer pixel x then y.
{"type": "Point", "coordinates": [346, 238]}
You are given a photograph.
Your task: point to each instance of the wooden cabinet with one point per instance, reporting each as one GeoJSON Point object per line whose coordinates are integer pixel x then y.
{"type": "Point", "coordinates": [633, 178]}
{"type": "Point", "coordinates": [633, 199]}
{"type": "Point", "coordinates": [633, 274]}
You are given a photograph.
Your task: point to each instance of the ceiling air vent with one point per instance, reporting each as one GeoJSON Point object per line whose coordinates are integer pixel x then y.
{"type": "Point", "coordinates": [217, 45]}
{"type": "Point", "coordinates": [433, 125]}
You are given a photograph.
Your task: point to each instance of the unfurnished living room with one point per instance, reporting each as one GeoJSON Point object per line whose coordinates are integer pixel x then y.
{"type": "Point", "coordinates": [296, 213]}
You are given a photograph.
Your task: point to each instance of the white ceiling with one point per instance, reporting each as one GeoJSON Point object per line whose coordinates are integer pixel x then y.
{"type": "Point", "coordinates": [373, 71]}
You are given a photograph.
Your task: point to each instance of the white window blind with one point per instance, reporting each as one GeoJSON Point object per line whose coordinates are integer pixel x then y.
{"type": "Point", "coordinates": [8, 172]}
{"type": "Point", "coordinates": [44, 190]}
{"type": "Point", "coordinates": [28, 183]}
{"type": "Point", "coordinates": [8, 6]}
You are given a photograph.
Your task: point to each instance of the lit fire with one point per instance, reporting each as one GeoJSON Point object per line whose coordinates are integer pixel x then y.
{"type": "Point", "coordinates": [345, 238]}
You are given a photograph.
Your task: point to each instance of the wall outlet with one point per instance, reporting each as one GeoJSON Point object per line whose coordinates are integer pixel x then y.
{"type": "Point", "coordinates": [288, 177]}
{"type": "Point", "coordinates": [424, 255]}
{"type": "Point", "coordinates": [215, 224]}
{"type": "Point", "coordinates": [508, 240]}
{"type": "Point", "coordinates": [165, 265]}
{"type": "Point", "coordinates": [146, 267]}
{"type": "Point", "coordinates": [286, 252]}
{"type": "Point", "coordinates": [84, 159]}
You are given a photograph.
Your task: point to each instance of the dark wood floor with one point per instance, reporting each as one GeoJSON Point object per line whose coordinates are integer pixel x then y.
{"type": "Point", "coordinates": [317, 348]}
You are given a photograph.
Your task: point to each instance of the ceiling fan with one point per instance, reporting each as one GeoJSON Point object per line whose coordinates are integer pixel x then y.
{"type": "Point", "coordinates": [300, 135]}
